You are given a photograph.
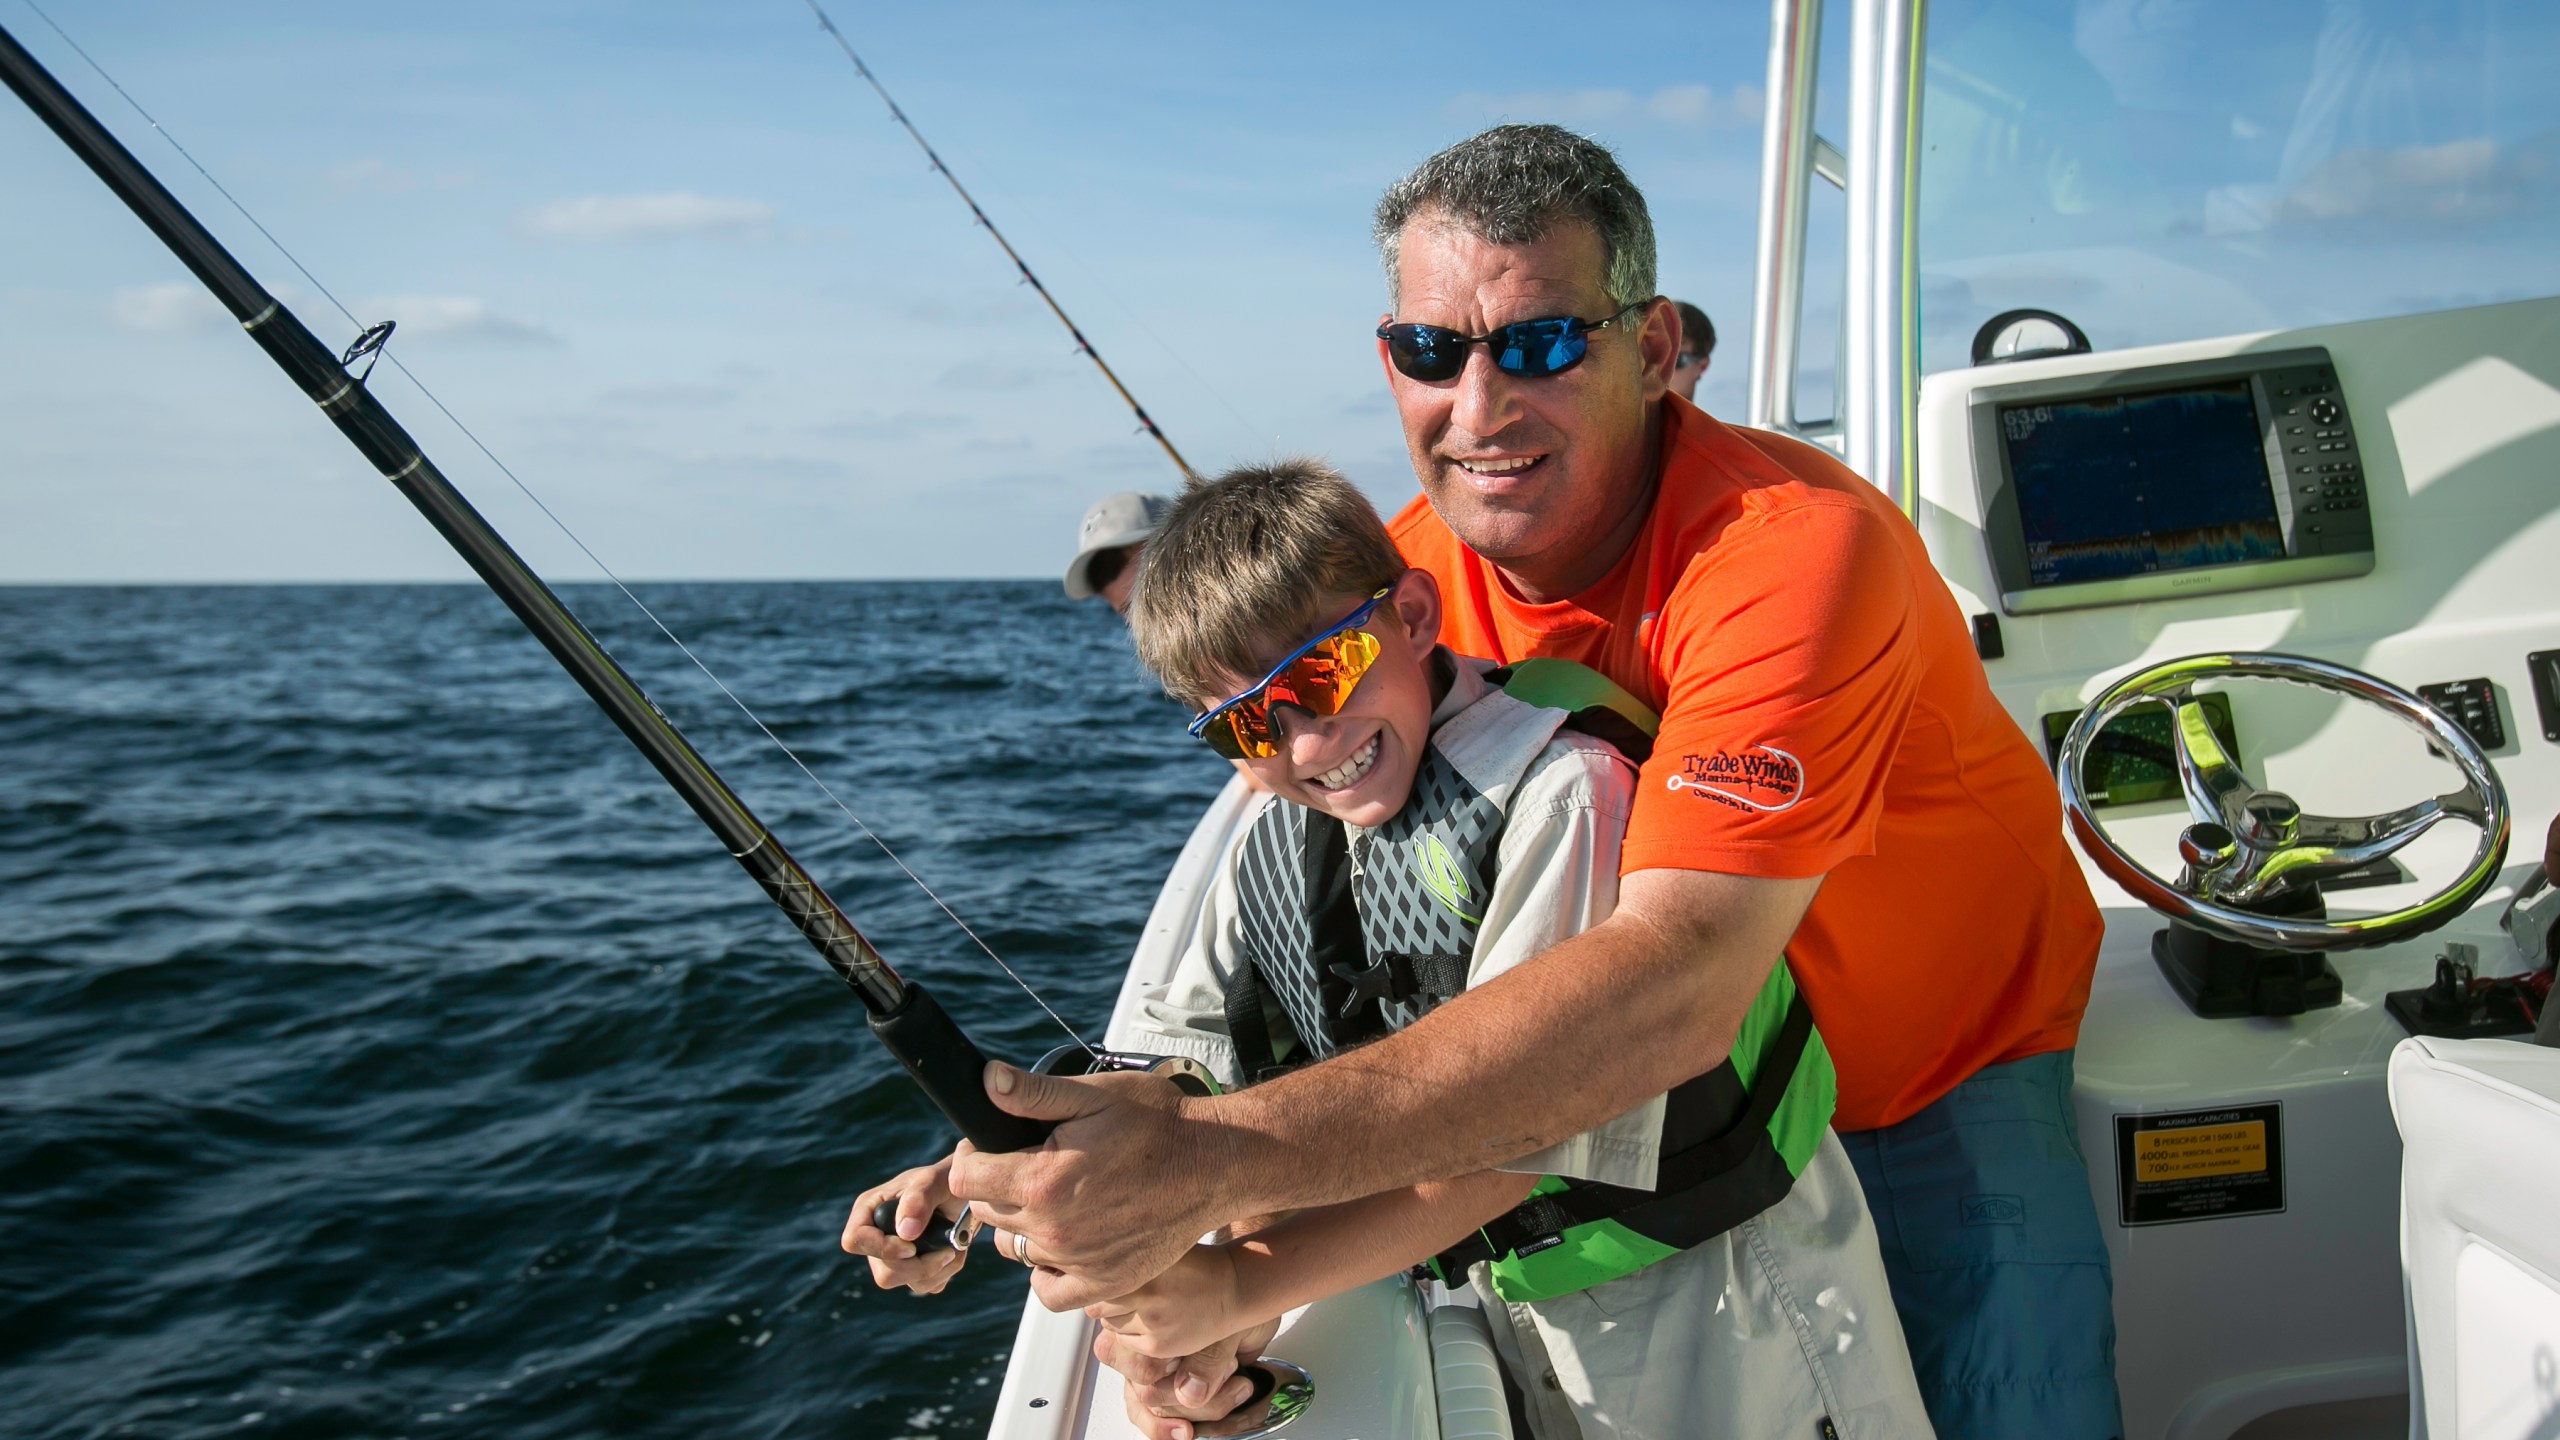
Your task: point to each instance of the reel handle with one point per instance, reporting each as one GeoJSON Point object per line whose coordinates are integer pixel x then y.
{"type": "Point", "coordinates": [954, 1234]}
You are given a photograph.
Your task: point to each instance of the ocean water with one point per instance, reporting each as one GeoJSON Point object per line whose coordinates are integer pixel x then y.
{"type": "Point", "coordinates": [384, 1051]}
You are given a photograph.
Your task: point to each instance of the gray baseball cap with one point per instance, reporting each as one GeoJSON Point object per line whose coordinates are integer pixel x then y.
{"type": "Point", "coordinates": [1114, 521]}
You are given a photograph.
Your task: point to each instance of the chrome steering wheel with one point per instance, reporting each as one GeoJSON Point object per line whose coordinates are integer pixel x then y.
{"type": "Point", "coordinates": [2249, 845]}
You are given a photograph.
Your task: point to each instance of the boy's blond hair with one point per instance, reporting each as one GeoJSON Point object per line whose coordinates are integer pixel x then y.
{"type": "Point", "coordinates": [1243, 570]}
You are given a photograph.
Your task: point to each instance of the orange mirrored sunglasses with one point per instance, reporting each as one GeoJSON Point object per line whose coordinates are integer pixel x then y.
{"type": "Point", "coordinates": [1318, 678]}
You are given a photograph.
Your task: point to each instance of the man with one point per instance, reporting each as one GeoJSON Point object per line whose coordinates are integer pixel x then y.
{"type": "Point", "coordinates": [1832, 780]}
{"type": "Point", "coordinates": [1697, 347]}
{"type": "Point", "coordinates": [1107, 546]}
{"type": "Point", "coordinates": [1114, 533]}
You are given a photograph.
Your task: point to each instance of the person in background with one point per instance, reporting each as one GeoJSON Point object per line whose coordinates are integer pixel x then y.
{"type": "Point", "coordinates": [1108, 543]}
{"type": "Point", "coordinates": [1697, 347]}
{"type": "Point", "coordinates": [1107, 546]}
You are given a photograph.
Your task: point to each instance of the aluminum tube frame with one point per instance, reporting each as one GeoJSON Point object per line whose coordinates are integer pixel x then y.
{"type": "Point", "coordinates": [1880, 320]}
{"type": "Point", "coordinates": [1786, 172]}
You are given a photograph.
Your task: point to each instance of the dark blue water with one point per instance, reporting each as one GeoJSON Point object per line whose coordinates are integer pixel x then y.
{"type": "Point", "coordinates": [384, 1051]}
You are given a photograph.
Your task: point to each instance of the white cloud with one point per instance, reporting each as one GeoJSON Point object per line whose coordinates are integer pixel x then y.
{"type": "Point", "coordinates": [1696, 107]}
{"type": "Point", "coordinates": [612, 218]}
{"type": "Point", "coordinates": [897, 425]}
{"type": "Point", "coordinates": [1685, 107]}
{"type": "Point", "coordinates": [375, 173]}
{"type": "Point", "coordinates": [170, 306]}
{"type": "Point", "coordinates": [667, 397]}
{"type": "Point", "coordinates": [984, 376]}
{"type": "Point", "coordinates": [454, 317]}
{"type": "Point", "coordinates": [2458, 182]}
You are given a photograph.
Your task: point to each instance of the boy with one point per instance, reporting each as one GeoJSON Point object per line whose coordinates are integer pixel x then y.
{"type": "Point", "coordinates": [1701, 1265]}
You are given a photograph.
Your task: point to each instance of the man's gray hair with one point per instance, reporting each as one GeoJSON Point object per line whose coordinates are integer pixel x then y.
{"type": "Point", "coordinates": [1512, 184]}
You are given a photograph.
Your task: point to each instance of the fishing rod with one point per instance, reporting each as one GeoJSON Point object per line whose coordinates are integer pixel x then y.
{"type": "Point", "coordinates": [942, 1060]}
{"type": "Point", "coordinates": [1145, 422]}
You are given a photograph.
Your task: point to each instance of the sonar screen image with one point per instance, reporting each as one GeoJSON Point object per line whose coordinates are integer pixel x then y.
{"type": "Point", "coordinates": [2136, 483]}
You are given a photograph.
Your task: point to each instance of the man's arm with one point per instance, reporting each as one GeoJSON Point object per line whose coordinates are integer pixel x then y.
{"type": "Point", "coordinates": [1592, 1027]}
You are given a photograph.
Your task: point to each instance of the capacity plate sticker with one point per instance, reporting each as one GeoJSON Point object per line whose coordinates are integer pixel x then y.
{"type": "Point", "coordinates": [2200, 1165]}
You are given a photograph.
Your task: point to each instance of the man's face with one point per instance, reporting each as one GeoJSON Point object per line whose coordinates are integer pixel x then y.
{"type": "Point", "coordinates": [1687, 370]}
{"type": "Point", "coordinates": [1115, 593]}
{"type": "Point", "coordinates": [1532, 474]}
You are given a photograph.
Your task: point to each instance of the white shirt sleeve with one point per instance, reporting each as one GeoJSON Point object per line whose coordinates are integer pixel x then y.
{"type": "Point", "coordinates": [1187, 1014]}
{"type": "Point", "coordinates": [1558, 878]}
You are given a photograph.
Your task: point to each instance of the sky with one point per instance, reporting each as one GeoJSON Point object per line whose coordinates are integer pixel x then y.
{"type": "Point", "coordinates": [675, 265]}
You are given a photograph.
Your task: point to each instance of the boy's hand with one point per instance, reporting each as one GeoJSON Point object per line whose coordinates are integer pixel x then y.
{"type": "Point", "coordinates": [922, 1194]}
{"type": "Point", "coordinates": [1164, 1397]}
{"type": "Point", "coordinates": [1180, 1311]}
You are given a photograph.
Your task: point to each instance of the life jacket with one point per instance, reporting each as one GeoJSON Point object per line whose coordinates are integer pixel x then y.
{"type": "Point", "coordinates": [1336, 954]}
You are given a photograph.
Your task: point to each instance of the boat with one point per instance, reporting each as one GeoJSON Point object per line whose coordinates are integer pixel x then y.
{"type": "Point", "coordinates": [2320, 1149]}
{"type": "Point", "coordinates": [2374, 624]}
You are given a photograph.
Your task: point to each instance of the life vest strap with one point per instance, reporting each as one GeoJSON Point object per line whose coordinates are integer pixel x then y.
{"type": "Point", "coordinates": [1541, 1221]}
{"type": "Point", "coordinates": [1249, 1025]}
{"type": "Point", "coordinates": [1395, 978]}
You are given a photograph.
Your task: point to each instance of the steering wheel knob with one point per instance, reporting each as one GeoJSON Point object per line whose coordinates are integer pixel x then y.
{"type": "Point", "coordinates": [2270, 818]}
{"type": "Point", "coordinates": [2207, 847]}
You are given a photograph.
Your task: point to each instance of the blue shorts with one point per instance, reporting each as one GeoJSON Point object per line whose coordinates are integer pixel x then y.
{"type": "Point", "coordinates": [1991, 1245]}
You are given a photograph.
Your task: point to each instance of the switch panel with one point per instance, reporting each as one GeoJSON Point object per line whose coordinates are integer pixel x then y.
{"type": "Point", "coordinates": [2471, 704]}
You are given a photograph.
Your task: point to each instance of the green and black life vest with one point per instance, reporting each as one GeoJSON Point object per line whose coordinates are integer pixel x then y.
{"type": "Point", "coordinates": [1337, 954]}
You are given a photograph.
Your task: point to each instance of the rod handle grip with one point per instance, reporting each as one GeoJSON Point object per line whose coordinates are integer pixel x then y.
{"type": "Point", "coordinates": [938, 1232]}
{"type": "Point", "coordinates": [951, 1071]}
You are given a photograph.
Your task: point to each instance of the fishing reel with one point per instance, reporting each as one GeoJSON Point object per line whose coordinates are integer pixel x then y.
{"type": "Point", "coordinates": [1187, 1075]}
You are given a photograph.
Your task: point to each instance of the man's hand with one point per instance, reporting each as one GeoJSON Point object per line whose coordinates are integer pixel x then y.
{"type": "Point", "coordinates": [922, 1193]}
{"type": "Point", "coordinates": [1164, 1396]}
{"type": "Point", "coordinates": [1116, 1195]}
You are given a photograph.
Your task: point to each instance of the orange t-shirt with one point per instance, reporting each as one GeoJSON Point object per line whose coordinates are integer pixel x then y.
{"type": "Point", "coordinates": [1822, 714]}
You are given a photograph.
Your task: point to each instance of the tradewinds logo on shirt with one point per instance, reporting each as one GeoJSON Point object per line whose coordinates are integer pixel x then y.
{"type": "Point", "coordinates": [1761, 777]}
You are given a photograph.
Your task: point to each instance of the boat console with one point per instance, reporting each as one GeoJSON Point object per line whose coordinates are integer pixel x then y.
{"type": "Point", "coordinates": [2193, 522]}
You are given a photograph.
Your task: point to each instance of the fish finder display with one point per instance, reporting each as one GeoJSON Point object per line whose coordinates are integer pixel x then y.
{"type": "Point", "coordinates": [2129, 484]}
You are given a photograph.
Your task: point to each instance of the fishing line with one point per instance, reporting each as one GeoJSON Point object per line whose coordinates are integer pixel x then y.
{"type": "Point", "coordinates": [574, 539]}
{"type": "Point", "coordinates": [1145, 422]}
{"type": "Point", "coordinates": [1198, 375]}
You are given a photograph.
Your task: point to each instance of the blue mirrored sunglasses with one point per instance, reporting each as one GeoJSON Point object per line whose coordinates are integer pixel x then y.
{"type": "Point", "coordinates": [1530, 349]}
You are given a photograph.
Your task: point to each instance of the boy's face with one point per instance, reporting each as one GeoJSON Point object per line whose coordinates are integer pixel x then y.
{"type": "Point", "coordinates": [1358, 765]}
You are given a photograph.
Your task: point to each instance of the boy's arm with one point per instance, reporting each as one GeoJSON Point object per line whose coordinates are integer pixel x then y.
{"type": "Point", "coordinates": [1218, 1290]}
{"type": "Point", "coordinates": [1187, 1014]}
{"type": "Point", "coordinates": [1561, 838]}
{"type": "Point", "coordinates": [1559, 878]}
